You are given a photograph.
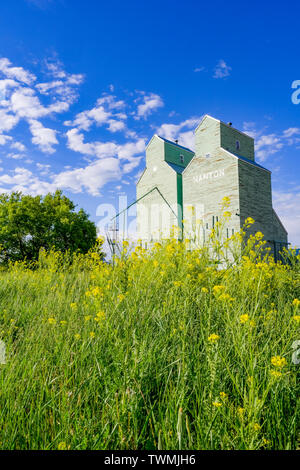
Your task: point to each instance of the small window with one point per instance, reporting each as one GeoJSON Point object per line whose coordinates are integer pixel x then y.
{"type": "Point", "coordinates": [181, 158]}
{"type": "Point", "coordinates": [237, 145]}
{"type": "Point", "coordinates": [207, 155]}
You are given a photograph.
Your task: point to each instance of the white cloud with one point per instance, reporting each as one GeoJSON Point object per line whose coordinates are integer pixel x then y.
{"type": "Point", "coordinates": [151, 103]}
{"type": "Point", "coordinates": [15, 156]}
{"type": "Point", "coordinates": [103, 149]}
{"type": "Point", "coordinates": [222, 70]}
{"type": "Point", "coordinates": [115, 126]}
{"type": "Point", "coordinates": [25, 104]}
{"type": "Point", "coordinates": [102, 113]}
{"type": "Point", "coordinates": [7, 120]}
{"type": "Point", "coordinates": [91, 178]}
{"type": "Point", "coordinates": [4, 139]}
{"type": "Point", "coordinates": [291, 131]}
{"type": "Point", "coordinates": [287, 206]}
{"type": "Point", "coordinates": [18, 146]}
{"type": "Point", "coordinates": [177, 132]}
{"type": "Point", "coordinates": [17, 73]}
{"type": "Point", "coordinates": [269, 144]}
{"type": "Point", "coordinates": [43, 137]}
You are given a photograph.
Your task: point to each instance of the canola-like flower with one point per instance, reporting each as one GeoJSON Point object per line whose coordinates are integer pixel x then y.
{"type": "Point", "coordinates": [216, 404]}
{"type": "Point", "coordinates": [213, 338]}
{"type": "Point", "coordinates": [177, 283]}
{"type": "Point", "coordinates": [278, 361]}
{"type": "Point", "coordinates": [218, 289]}
{"type": "Point", "coordinates": [244, 318]}
{"type": "Point", "coordinates": [275, 373]}
{"type": "Point", "coordinates": [296, 303]}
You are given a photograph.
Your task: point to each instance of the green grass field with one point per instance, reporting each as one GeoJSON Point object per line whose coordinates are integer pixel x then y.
{"type": "Point", "coordinates": [162, 350]}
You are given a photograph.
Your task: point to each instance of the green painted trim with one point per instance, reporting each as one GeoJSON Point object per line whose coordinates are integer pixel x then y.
{"type": "Point", "coordinates": [180, 205]}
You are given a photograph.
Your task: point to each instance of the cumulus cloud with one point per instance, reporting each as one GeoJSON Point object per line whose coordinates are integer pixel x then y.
{"type": "Point", "coordinates": [199, 69]}
{"type": "Point", "coordinates": [64, 84]}
{"type": "Point", "coordinates": [91, 178]}
{"type": "Point", "coordinates": [43, 137]}
{"type": "Point", "coordinates": [287, 206]}
{"type": "Point", "coordinates": [151, 102]}
{"type": "Point", "coordinates": [4, 139]}
{"type": "Point", "coordinates": [7, 120]}
{"type": "Point", "coordinates": [106, 111]}
{"type": "Point", "coordinates": [222, 70]}
{"type": "Point", "coordinates": [179, 131]}
{"type": "Point", "coordinates": [103, 149]}
{"type": "Point", "coordinates": [17, 73]}
{"type": "Point", "coordinates": [267, 144]}
{"type": "Point", "coordinates": [20, 100]}
{"type": "Point", "coordinates": [18, 146]}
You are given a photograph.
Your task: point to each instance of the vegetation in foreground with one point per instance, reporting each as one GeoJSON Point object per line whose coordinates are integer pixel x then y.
{"type": "Point", "coordinates": [161, 350]}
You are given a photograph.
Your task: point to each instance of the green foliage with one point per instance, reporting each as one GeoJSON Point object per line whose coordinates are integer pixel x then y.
{"type": "Point", "coordinates": [28, 224]}
{"type": "Point", "coordinates": [160, 350]}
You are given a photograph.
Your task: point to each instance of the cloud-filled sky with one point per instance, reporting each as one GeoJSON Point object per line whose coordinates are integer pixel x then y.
{"type": "Point", "coordinates": [84, 86]}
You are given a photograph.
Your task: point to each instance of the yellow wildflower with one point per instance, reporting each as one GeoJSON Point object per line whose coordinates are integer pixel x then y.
{"type": "Point", "coordinates": [52, 321]}
{"type": "Point", "coordinates": [296, 318]}
{"type": "Point", "coordinates": [249, 221]}
{"type": "Point", "coordinates": [256, 426]}
{"type": "Point", "coordinates": [177, 283]}
{"type": "Point", "coordinates": [259, 235]}
{"type": "Point", "coordinates": [213, 338]}
{"type": "Point", "coordinates": [241, 411]}
{"type": "Point", "coordinates": [100, 316]}
{"type": "Point", "coordinates": [77, 336]}
{"type": "Point", "coordinates": [223, 395]}
{"type": "Point", "coordinates": [275, 373]}
{"type": "Point", "coordinates": [63, 322]}
{"type": "Point", "coordinates": [121, 297]}
{"type": "Point", "coordinates": [73, 305]}
{"type": "Point", "coordinates": [62, 446]}
{"type": "Point", "coordinates": [244, 318]}
{"type": "Point", "coordinates": [296, 302]}
{"type": "Point", "coordinates": [226, 200]}
{"type": "Point", "coordinates": [87, 317]}
{"type": "Point", "coordinates": [204, 290]}
{"type": "Point", "coordinates": [217, 404]}
{"type": "Point", "coordinates": [218, 289]}
{"type": "Point", "coordinates": [227, 214]}
{"type": "Point", "coordinates": [92, 334]}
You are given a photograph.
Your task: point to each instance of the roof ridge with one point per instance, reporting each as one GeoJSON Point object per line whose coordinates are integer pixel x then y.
{"type": "Point", "coordinates": [174, 143]}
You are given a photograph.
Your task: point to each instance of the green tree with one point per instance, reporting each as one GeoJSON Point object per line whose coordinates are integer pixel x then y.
{"type": "Point", "coordinates": [29, 223]}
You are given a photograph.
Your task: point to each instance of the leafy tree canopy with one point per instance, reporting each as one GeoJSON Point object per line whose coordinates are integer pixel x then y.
{"type": "Point", "coordinates": [29, 223]}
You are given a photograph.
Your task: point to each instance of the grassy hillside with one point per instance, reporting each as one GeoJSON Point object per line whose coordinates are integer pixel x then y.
{"type": "Point", "coordinates": [162, 350]}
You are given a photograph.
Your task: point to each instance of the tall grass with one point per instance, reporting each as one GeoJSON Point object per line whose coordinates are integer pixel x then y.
{"type": "Point", "coordinates": [164, 349]}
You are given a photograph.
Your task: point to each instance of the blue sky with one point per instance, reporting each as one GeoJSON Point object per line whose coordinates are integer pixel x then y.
{"type": "Point", "coordinates": [85, 84]}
